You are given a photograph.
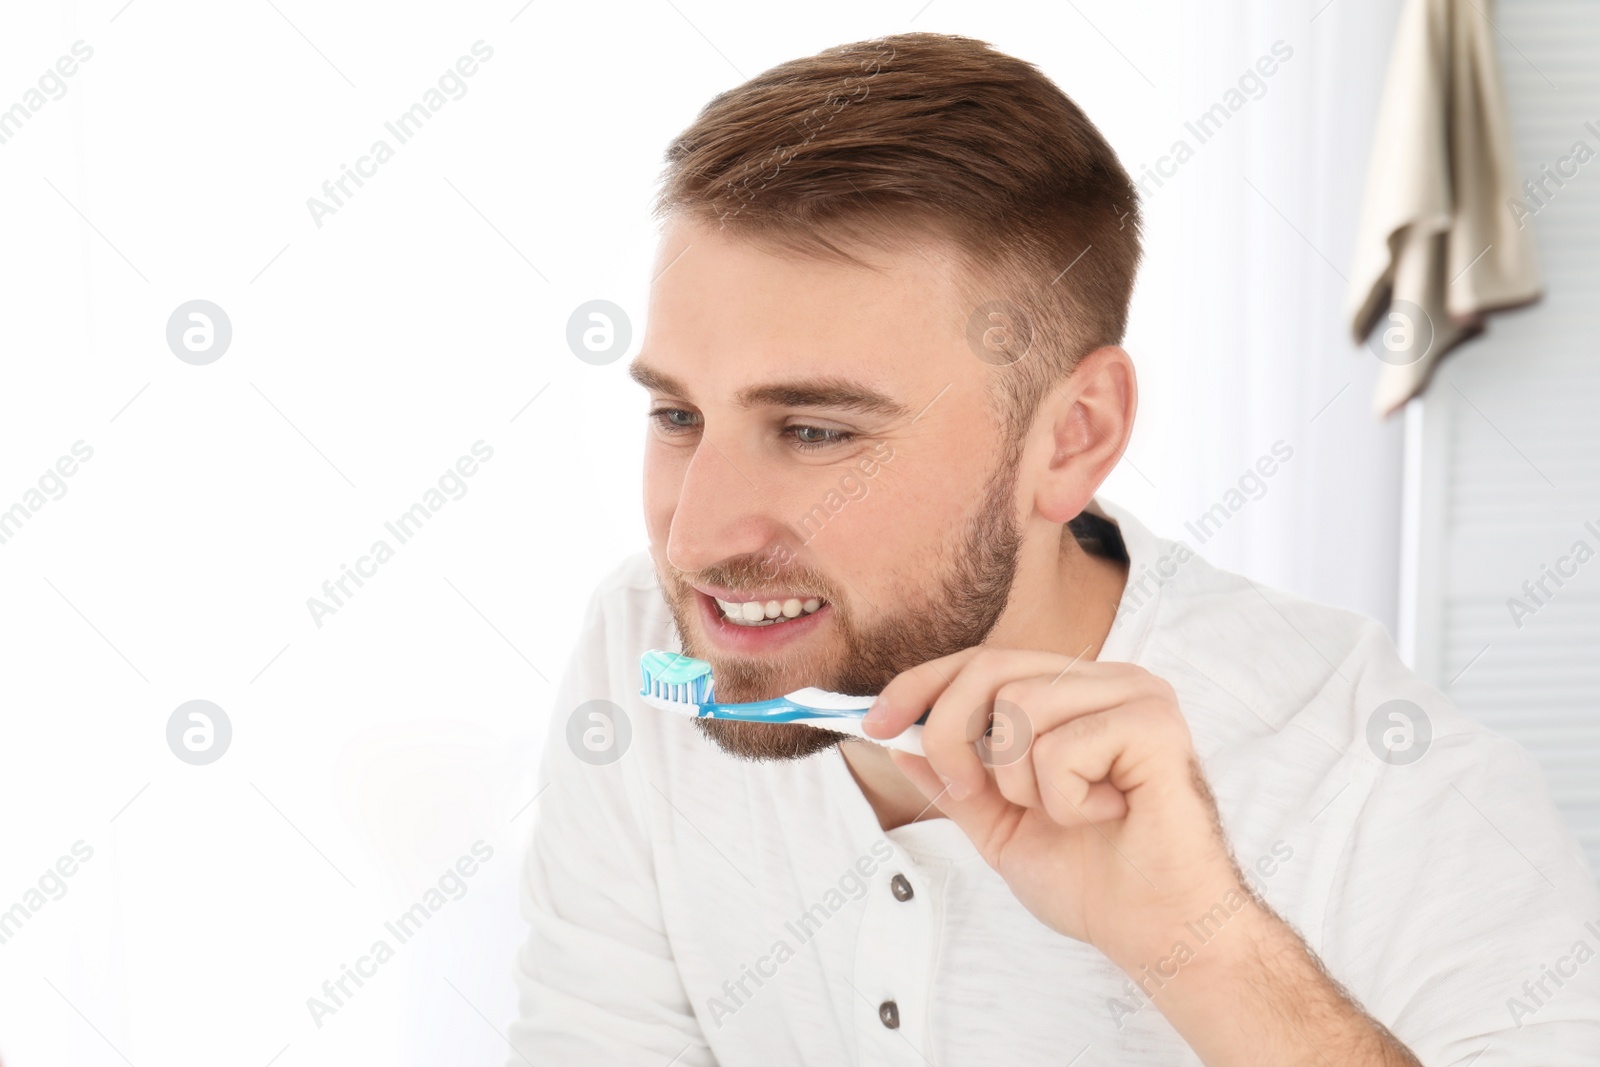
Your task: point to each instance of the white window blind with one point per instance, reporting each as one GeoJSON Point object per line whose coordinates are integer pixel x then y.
{"type": "Point", "coordinates": [1501, 584]}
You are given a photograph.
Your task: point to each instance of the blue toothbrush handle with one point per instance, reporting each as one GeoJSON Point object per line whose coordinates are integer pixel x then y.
{"type": "Point", "coordinates": [782, 709]}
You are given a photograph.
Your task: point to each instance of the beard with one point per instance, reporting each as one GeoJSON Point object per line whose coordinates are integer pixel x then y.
{"type": "Point", "coordinates": [961, 608]}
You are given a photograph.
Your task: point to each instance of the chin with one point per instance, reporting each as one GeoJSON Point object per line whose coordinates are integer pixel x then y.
{"type": "Point", "coordinates": [768, 741]}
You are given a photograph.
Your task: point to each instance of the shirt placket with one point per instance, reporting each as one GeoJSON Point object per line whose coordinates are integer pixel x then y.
{"type": "Point", "coordinates": [894, 962]}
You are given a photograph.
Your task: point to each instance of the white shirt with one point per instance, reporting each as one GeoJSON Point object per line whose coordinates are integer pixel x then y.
{"type": "Point", "coordinates": [665, 891]}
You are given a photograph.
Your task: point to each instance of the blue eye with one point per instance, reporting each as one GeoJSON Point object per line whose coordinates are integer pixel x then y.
{"type": "Point", "coordinates": [663, 418]}
{"type": "Point", "coordinates": [830, 437]}
{"type": "Point", "coordinates": [805, 438]}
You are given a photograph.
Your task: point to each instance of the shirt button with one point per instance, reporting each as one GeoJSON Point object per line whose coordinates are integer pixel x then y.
{"type": "Point", "coordinates": [889, 1014]}
{"type": "Point", "coordinates": [900, 887]}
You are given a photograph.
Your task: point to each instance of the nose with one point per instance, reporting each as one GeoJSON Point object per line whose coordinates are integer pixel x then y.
{"type": "Point", "coordinates": [723, 512]}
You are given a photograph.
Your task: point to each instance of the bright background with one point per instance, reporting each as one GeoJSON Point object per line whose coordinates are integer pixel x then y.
{"type": "Point", "coordinates": [429, 313]}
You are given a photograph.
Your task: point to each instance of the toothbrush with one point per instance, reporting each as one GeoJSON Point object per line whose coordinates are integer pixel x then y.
{"type": "Point", "coordinates": [678, 683]}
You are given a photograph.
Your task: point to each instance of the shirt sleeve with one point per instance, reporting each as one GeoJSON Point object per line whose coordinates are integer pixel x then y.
{"type": "Point", "coordinates": [1463, 915]}
{"type": "Point", "coordinates": [596, 980]}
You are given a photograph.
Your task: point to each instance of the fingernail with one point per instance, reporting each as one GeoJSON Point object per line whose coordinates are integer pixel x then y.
{"type": "Point", "coordinates": [879, 712]}
{"type": "Point", "coordinates": [957, 790]}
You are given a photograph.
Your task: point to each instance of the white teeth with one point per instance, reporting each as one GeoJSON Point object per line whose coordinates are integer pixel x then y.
{"type": "Point", "coordinates": [769, 612]}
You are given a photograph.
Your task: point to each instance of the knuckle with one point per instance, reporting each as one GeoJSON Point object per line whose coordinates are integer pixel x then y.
{"type": "Point", "coordinates": [983, 660]}
{"type": "Point", "coordinates": [1049, 754]}
{"type": "Point", "coordinates": [1166, 717]}
{"type": "Point", "coordinates": [1020, 692]}
{"type": "Point", "coordinates": [1085, 728]}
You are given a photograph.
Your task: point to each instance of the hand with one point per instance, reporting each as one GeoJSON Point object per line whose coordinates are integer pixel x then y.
{"type": "Point", "coordinates": [1087, 797]}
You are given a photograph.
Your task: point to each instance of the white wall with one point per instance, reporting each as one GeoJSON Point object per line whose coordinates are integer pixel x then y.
{"type": "Point", "coordinates": [1237, 327]}
{"type": "Point", "coordinates": [428, 313]}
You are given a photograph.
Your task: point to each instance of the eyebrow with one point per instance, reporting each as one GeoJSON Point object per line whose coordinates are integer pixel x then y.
{"type": "Point", "coordinates": [824, 392]}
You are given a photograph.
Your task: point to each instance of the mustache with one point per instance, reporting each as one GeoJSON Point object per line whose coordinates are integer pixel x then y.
{"type": "Point", "coordinates": [754, 574]}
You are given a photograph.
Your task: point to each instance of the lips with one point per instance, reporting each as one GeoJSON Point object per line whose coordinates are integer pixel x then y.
{"type": "Point", "coordinates": [753, 636]}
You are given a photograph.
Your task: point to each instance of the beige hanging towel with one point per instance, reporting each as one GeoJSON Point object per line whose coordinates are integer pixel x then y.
{"type": "Point", "coordinates": [1441, 243]}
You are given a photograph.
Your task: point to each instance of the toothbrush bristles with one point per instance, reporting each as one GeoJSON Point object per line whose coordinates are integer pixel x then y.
{"type": "Point", "coordinates": [698, 691]}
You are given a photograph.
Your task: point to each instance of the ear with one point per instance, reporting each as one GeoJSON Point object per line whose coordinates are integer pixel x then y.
{"type": "Point", "coordinates": [1088, 419]}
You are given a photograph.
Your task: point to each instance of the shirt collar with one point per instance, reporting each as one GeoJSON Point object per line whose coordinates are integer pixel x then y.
{"type": "Point", "coordinates": [1151, 562]}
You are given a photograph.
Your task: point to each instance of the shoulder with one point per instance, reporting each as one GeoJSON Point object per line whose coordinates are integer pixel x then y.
{"type": "Point", "coordinates": [1308, 710]}
{"type": "Point", "coordinates": [1257, 660]}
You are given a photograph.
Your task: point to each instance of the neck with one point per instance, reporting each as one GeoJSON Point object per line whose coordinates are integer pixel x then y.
{"type": "Point", "coordinates": [1072, 616]}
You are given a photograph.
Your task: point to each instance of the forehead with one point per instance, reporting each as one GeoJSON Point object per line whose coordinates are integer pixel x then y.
{"type": "Point", "coordinates": [729, 310]}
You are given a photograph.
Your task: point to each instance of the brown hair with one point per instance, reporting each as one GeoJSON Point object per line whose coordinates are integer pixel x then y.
{"type": "Point", "coordinates": [923, 133]}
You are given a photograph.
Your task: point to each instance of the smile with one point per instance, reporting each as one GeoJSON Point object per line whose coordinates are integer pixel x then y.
{"type": "Point", "coordinates": [766, 612]}
{"type": "Point", "coordinates": [743, 627]}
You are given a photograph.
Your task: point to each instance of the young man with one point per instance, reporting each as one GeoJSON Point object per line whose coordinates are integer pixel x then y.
{"type": "Point", "coordinates": [1165, 816]}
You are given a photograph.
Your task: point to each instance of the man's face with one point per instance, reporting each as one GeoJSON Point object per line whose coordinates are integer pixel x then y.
{"type": "Point", "coordinates": [821, 435]}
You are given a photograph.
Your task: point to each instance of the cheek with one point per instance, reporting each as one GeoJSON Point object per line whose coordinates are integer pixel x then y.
{"type": "Point", "coordinates": [894, 540]}
{"type": "Point", "coordinates": [871, 540]}
{"type": "Point", "coordinates": [661, 491]}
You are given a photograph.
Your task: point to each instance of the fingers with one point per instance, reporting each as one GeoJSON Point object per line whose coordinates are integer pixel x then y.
{"type": "Point", "coordinates": [963, 711]}
{"type": "Point", "coordinates": [1034, 730]}
{"type": "Point", "coordinates": [1094, 768]}
{"type": "Point", "coordinates": [989, 715]}
{"type": "Point", "coordinates": [1030, 710]}
{"type": "Point", "coordinates": [912, 692]}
